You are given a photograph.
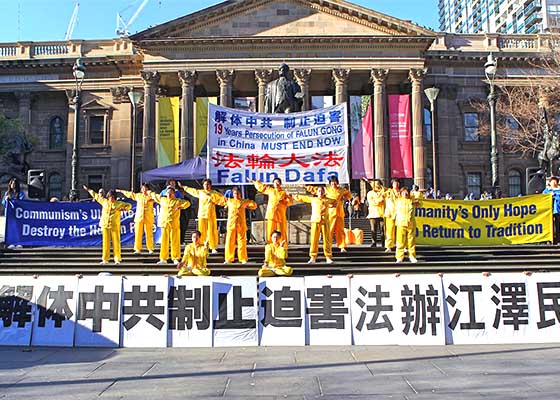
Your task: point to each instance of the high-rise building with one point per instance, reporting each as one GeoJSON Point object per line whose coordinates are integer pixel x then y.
{"type": "Point", "coordinates": [499, 16]}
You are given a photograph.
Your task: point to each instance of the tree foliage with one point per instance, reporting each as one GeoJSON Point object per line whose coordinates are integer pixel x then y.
{"type": "Point", "coordinates": [15, 145]}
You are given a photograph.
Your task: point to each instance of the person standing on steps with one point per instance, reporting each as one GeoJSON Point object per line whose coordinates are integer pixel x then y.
{"type": "Point", "coordinates": [406, 226]}
{"type": "Point", "coordinates": [391, 196]}
{"type": "Point", "coordinates": [276, 209]}
{"type": "Point", "coordinates": [143, 219]}
{"type": "Point", "coordinates": [376, 210]}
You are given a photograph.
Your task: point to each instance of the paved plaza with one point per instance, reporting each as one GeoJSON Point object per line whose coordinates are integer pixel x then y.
{"type": "Point", "coordinates": [384, 372]}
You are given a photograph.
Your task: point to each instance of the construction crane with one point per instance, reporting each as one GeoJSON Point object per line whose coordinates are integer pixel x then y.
{"type": "Point", "coordinates": [122, 26]}
{"type": "Point", "coordinates": [72, 23]}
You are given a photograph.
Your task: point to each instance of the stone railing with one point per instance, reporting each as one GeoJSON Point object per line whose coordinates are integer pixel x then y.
{"type": "Point", "coordinates": [70, 49]}
{"type": "Point", "coordinates": [488, 42]}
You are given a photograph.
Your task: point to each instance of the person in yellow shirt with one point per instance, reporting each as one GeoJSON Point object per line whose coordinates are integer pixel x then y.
{"type": "Point", "coordinates": [236, 230]}
{"type": "Point", "coordinates": [278, 203]}
{"type": "Point", "coordinates": [376, 209]}
{"type": "Point", "coordinates": [336, 214]}
{"type": "Point", "coordinates": [406, 226]}
{"type": "Point", "coordinates": [276, 253]}
{"type": "Point", "coordinates": [168, 221]}
{"type": "Point", "coordinates": [143, 219]}
{"type": "Point", "coordinates": [391, 196]}
{"type": "Point", "coordinates": [110, 224]}
{"type": "Point", "coordinates": [194, 258]}
{"type": "Point", "coordinates": [416, 193]}
{"type": "Point", "coordinates": [207, 220]}
{"type": "Point", "coordinates": [320, 222]}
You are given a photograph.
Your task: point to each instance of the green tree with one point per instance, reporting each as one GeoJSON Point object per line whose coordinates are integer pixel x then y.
{"type": "Point", "coordinates": [15, 145]}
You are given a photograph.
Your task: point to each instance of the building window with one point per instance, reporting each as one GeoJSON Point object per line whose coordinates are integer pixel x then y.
{"type": "Point", "coordinates": [96, 129]}
{"type": "Point", "coordinates": [56, 133]}
{"type": "Point", "coordinates": [474, 184]}
{"type": "Point", "coordinates": [427, 124]}
{"type": "Point", "coordinates": [429, 178]}
{"type": "Point", "coordinates": [514, 183]}
{"type": "Point", "coordinates": [95, 182]}
{"type": "Point", "coordinates": [471, 127]}
{"type": "Point", "coordinates": [55, 186]}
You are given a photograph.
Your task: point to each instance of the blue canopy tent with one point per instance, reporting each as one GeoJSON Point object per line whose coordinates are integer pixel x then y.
{"type": "Point", "coordinates": [192, 169]}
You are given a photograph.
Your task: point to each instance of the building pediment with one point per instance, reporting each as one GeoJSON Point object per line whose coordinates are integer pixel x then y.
{"type": "Point", "coordinates": [281, 18]}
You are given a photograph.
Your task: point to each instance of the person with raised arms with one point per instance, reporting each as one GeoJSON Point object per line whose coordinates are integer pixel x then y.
{"type": "Point", "coordinates": [143, 219]}
{"type": "Point", "coordinates": [278, 203]}
{"type": "Point", "coordinates": [391, 196]}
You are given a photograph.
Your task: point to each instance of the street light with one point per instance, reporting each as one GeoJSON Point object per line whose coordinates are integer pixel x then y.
{"type": "Point", "coordinates": [134, 100]}
{"type": "Point", "coordinates": [79, 72]}
{"type": "Point", "coordinates": [432, 94]}
{"type": "Point", "coordinates": [490, 69]}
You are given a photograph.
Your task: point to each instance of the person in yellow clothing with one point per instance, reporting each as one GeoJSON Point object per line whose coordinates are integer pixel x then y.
{"type": "Point", "coordinates": [391, 196]}
{"type": "Point", "coordinates": [416, 193]}
{"type": "Point", "coordinates": [143, 219]}
{"type": "Point", "coordinates": [110, 223]}
{"type": "Point", "coordinates": [207, 221]}
{"type": "Point", "coordinates": [406, 226]}
{"type": "Point", "coordinates": [278, 203]}
{"type": "Point", "coordinates": [275, 257]}
{"type": "Point", "coordinates": [336, 214]}
{"type": "Point", "coordinates": [376, 209]}
{"type": "Point", "coordinates": [236, 230]}
{"type": "Point", "coordinates": [194, 258]}
{"type": "Point", "coordinates": [168, 221]}
{"type": "Point", "coordinates": [320, 223]}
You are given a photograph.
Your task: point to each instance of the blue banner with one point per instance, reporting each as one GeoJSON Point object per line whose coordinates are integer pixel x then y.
{"type": "Point", "coordinates": [40, 223]}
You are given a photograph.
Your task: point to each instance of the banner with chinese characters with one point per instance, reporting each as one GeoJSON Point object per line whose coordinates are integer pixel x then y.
{"type": "Point", "coordinates": [400, 141]}
{"type": "Point", "coordinates": [512, 220]}
{"type": "Point", "coordinates": [299, 148]}
{"type": "Point", "coordinates": [415, 309]}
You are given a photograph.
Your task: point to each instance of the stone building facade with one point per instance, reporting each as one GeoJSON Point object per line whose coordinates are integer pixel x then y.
{"type": "Point", "coordinates": [334, 48]}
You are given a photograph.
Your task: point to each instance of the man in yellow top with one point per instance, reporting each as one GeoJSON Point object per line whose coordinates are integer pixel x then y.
{"type": "Point", "coordinates": [236, 230]}
{"type": "Point", "coordinates": [391, 196]}
{"type": "Point", "coordinates": [416, 193]}
{"type": "Point", "coordinates": [143, 219]}
{"type": "Point", "coordinates": [207, 221]}
{"type": "Point", "coordinates": [110, 224]}
{"type": "Point", "coordinates": [168, 221]}
{"type": "Point", "coordinates": [275, 257]}
{"type": "Point", "coordinates": [320, 223]}
{"type": "Point", "coordinates": [406, 226]}
{"type": "Point", "coordinates": [194, 258]}
{"type": "Point", "coordinates": [278, 203]}
{"type": "Point", "coordinates": [376, 209]}
{"type": "Point", "coordinates": [336, 214]}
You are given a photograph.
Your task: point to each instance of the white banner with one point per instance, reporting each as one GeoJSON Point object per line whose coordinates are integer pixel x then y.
{"type": "Point", "coordinates": [190, 312]}
{"type": "Point", "coordinates": [281, 312]}
{"type": "Point", "coordinates": [144, 313]}
{"type": "Point", "coordinates": [99, 311]}
{"type": "Point", "coordinates": [235, 311]}
{"type": "Point", "coordinates": [55, 317]}
{"type": "Point", "coordinates": [328, 310]}
{"type": "Point", "coordinates": [544, 307]}
{"type": "Point", "coordinates": [299, 148]}
{"type": "Point", "coordinates": [17, 306]}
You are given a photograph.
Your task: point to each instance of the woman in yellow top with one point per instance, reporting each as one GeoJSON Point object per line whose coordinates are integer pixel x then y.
{"type": "Point", "coordinates": [143, 219]}
{"type": "Point", "coordinates": [194, 258]}
{"type": "Point", "coordinates": [278, 203]}
{"type": "Point", "coordinates": [336, 214]}
{"type": "Point", "coordinates": [391, 196]}
{"type": "Point", "coordinates": [275, 257]}
{"type": "Point", "coordinates": [207, 221]}
{"type": "Point", "coordinates": [236, 230]}
{"type": "Point", "coordinates": [110, 224]}
{"type": "Point", "coordinates": [168, 221]}
{"type": "Point", "coordinates": [376, 209]}
{"type": "Point", "coordinates": [406, 226]}
{"type": "Point", "coordinates": [320, 223]}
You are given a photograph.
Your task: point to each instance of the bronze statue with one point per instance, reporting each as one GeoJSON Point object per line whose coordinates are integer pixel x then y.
{"type": "Point", "coordinates": [551, 146]}
{"type": "Point", "coordinates": [283, 95]}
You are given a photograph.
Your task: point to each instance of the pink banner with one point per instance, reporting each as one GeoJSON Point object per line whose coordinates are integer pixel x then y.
{"type": "Point", "coordinates": [362, 148]}
{"type": "Point", "coordinates": [400, 136]}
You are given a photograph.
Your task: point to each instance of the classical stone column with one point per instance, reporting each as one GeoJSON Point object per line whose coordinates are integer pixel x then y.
{"type": "Point", "coordinates": [149, 157]}
{"type": "Point", "coordinates": [340, 77]}
{"type": "Point", "coordinates": [379, 77]}
{"type": "Point", "coordinates": [263, 76]}
{"type": "Point", "coordinates": [225, 79]}
{"type": "Point", "coordinates": [303, 76]}
{"type": "Point", "coordinates": [416, 76]}
{"type": "Point", "coordinates": [188, 80]}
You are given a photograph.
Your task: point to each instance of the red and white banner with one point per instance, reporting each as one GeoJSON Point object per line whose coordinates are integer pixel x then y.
{"type": "Point", "coordinates": [400, 136]}
{"type": "Point", "coordinates": [361, 117]}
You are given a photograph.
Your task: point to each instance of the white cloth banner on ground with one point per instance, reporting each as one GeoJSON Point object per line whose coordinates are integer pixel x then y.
{"type": "Point", "coordinates": [328, 310]}
{"type": "Point", "coordinates": [281, 312]}
{"type": "Point", "coordinates": [55, 316]}
{"type": "Point", "coordinates": [144, 311]}
{"type": "Point", "coordinates": [99, 311]}
{"type": "Point", "coordinates": [235, 311]}
{"type": "Point", "coordinates": [190, 312]}
{"type": "Point", "coordinates": [17, 306]}
{"type": "Point", "coordinates": [299, 148]}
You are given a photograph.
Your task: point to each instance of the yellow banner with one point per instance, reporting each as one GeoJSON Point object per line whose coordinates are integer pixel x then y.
{"type": "Point", "coordinates": [201, 127]}
{"type": "Point", "coordinates": [168, 131]}
{"type": "Point", "coordinates": [514, 220]}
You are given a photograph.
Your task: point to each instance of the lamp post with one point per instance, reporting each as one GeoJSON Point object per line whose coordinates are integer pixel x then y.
{"type": "Point", "coordinates": [134, 100]}
{"type": "Point", "coordinates": [79, 72]}
{"type": "Point", "coordinates": [490, 68]}
{"type": "Point", "coordinates": [432, 94]}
